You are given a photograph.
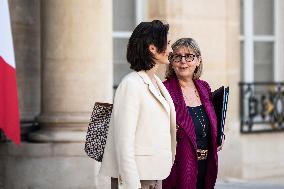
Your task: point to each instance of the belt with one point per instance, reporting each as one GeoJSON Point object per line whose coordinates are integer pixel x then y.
{"type": "Point", "coordinates": [202, 154]}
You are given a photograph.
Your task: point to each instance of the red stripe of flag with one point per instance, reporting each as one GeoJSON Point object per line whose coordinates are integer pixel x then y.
{"type": "Point", "coordinates": [9, 110]}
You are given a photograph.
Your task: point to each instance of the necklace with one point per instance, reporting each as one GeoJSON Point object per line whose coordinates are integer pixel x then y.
{"type": "Point", "coordinates": [187, 98]}
{"type": "Point", "coordinates": [202, 122]}
{"type": "Point", "coordinates": [200, 115]}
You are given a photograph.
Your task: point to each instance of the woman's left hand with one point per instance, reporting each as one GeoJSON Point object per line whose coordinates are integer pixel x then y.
{"type": "Point", "coordinates": [219, 148]}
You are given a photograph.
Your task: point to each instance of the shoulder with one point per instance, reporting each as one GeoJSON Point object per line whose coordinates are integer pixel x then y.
{"type": "Point", "coordinates": [205, 88]}
{"type": "Point", "coordinates": [130, 82]}
{"type": "Point", "coordinates": [170, 83]}
{"type": "Point", "coordinates": [173, 87]}
{"type": "Point", "coordinates": [131, 78]}
{"type": "Point", "coordinates": [204, 84]}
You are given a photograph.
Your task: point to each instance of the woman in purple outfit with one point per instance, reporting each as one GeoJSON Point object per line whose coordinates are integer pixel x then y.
{"type": "Point", "coordinates": [196, 162]}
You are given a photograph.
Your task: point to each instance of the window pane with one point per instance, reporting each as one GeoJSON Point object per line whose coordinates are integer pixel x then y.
{"type": "Point", "coordinates": [119, 71]}
{"type": "Point", "coordinates": [121, 67]}
{"type": "Point", "coordinates": [242, 61]}
{"type": "Point", "coordinates": [124, 17]}
{"type": "Point", "coordinates": [263, 17]}
{"type": "Point", "coordinates": [263, 61]}
{"type": "Point", "coordinates": [119, 50]}
{"type": "Point", "coordinates": [242, 17]}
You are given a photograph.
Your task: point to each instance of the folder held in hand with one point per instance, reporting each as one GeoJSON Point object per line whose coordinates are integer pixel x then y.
{"type": "Point", "coordinates": [220, 102]}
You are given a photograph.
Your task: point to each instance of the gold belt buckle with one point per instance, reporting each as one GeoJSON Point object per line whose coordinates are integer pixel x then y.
{"type": "Point", "coordinates": [202, 154]}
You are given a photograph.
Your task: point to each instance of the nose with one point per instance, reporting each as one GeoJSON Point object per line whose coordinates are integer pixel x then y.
{"type": "Point", "coordinates": [183, 59]}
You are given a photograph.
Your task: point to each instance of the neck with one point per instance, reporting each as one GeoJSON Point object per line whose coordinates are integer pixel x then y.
{"type": "Point", "coordinates": [186, 82]}
{"type": "Point", "coordinates": [151, 73]}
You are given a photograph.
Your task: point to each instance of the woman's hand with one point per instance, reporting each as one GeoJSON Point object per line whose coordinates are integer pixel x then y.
{"type": "Point", "coordinates": [219, 148]}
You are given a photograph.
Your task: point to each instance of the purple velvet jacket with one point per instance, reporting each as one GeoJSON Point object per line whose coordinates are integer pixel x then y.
{"type": "Point", "coordinates": [184, 171]}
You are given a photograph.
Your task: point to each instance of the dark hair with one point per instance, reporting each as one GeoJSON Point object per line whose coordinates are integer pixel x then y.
{"type": "Point", "coordinates": [146, 33]}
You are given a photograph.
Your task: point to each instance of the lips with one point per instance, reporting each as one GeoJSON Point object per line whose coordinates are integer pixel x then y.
{"type": "Point", "coordinates": [183, 68]}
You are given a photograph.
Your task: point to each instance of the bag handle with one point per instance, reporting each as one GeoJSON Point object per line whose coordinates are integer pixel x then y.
{"type": "Point", "coordinates": [103, 104]}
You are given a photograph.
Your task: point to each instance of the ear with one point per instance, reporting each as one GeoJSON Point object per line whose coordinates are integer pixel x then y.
{"type": "Point", "coordinates": [153, 49]}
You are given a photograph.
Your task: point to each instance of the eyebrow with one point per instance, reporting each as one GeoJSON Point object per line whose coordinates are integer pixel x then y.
{"type": "Point", "coordinates": [185, 54]}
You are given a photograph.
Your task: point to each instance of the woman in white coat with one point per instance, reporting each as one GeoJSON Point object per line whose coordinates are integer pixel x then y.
{"type": "Point", "coordinates": [141, 142]}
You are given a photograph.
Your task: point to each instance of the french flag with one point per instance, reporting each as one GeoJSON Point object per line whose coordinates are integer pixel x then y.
{"type": "Point", "coordinates": [9, 110]}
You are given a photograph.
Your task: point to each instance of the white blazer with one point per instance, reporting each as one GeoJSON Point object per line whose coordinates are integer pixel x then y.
{"type": "Point", "coordinates": [141, 142]}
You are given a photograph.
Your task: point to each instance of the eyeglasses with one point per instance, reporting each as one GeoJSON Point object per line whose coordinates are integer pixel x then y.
{"type": "Point", "coordinates": [177, 58]}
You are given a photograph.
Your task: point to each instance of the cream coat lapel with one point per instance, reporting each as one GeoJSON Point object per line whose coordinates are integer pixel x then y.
{"type": "Point", "coordinates": [168, 98]}
{"type": "Point", "coordinates": [152, 89]}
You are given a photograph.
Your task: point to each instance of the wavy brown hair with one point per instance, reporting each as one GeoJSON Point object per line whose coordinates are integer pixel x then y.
{"type": "Point", "coordinates": [190, 44]}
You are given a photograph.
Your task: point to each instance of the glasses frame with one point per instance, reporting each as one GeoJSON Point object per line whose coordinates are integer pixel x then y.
{"type": "Point", "coordinates": [187, 57]}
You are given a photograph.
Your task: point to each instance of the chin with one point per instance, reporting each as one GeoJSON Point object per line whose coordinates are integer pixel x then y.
{"type": "Point", "coordinates": [185, 75]}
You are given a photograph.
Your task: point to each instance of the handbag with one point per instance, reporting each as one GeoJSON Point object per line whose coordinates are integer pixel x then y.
{"type": "Point", "coordinates": [98, 130]}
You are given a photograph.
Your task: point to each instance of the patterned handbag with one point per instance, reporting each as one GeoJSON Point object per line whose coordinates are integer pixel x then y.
{"type": "Point", "coordinates": [97, 130]}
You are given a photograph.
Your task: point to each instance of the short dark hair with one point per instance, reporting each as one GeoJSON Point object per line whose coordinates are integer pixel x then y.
{"type": "Point", "coordinates": [146, 33]}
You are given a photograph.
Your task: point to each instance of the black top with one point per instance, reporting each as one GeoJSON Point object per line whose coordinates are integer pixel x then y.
{"type": "Point", "coordinates": [202, 126]}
